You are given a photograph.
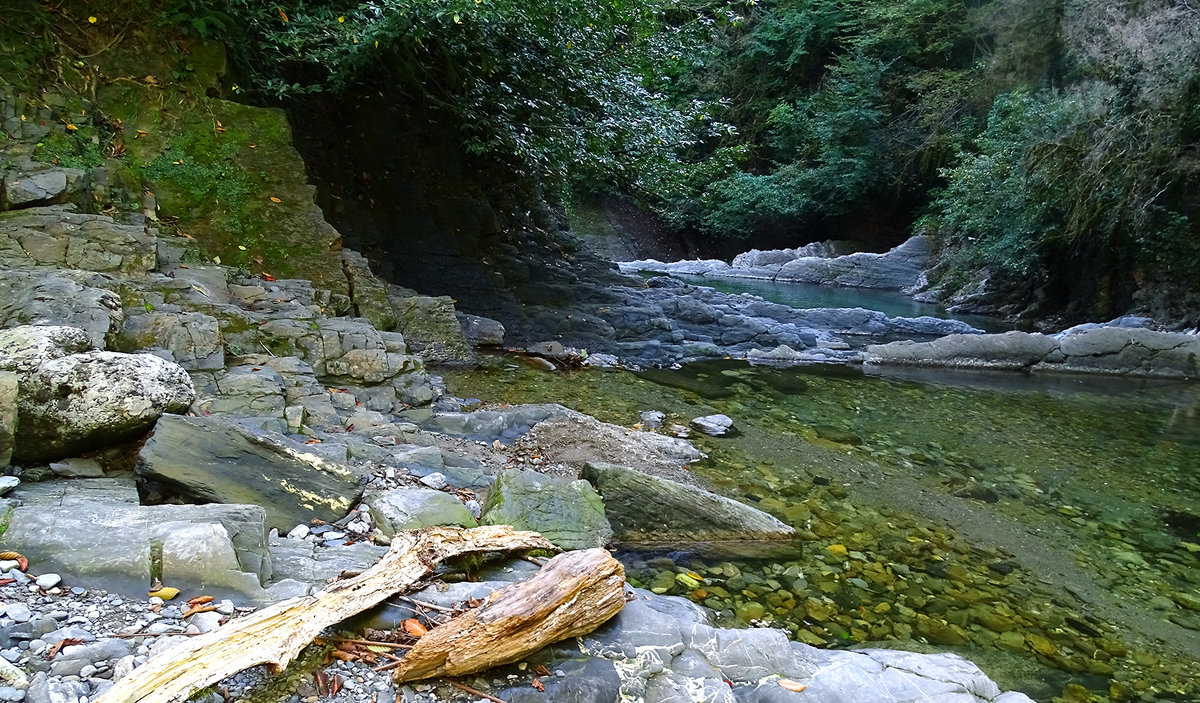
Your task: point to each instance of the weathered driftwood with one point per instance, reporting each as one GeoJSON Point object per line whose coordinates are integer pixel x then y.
{"type": "Point", "coordinates": [572, 595]}
{"type": "Point", "coordinates": [276, 634]}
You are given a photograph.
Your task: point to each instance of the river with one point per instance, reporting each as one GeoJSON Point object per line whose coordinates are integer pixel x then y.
{"type": "Point", "coordinates": [1047, 528]}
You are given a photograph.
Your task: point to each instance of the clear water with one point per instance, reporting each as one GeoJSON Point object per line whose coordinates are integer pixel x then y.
{"type": "Point", "coordinates": [808, 295]}
{"type": "Point", "coordinates": [896, 471]}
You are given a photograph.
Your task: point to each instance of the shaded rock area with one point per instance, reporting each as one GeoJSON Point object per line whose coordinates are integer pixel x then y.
{"type": "Point", "coordinates": [1118, 350]}
{"type": "Point", "coordinates": [650, 510]}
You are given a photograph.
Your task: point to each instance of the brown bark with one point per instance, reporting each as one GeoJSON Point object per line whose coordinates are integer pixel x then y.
{"type": "Point", "coordinates": [276, 634]}
{"type": "Point", "coordinates": [572, 595]}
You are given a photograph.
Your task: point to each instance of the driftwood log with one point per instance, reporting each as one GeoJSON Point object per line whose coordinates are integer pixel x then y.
{"type": "Point", "coordinates": [276, 634]}
{"type": "Point", "coordinates": [572, 595]}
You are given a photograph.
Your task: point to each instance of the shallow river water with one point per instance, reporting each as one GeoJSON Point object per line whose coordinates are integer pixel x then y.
{"type": "Point", "coordinates": [1046, 528]}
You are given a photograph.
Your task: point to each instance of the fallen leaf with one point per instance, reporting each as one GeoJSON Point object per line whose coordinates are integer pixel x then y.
{"type": "Point", "coordinates": [268, 277]}
{"type": "Point", "coordinates": [537, 685]}
{"type": "Point", "coordinates": [312, 441]}
{"type": "Point", "coordinates": [200, 600]}
{"type": "Point", "coordinates": [71, 127]}
{"type": "Point", "coordinates": [241, 248]}
{"type": "Point", "coordinates": [198, 609]}
{"type": "Point", "coordinates": [791, 685]}
{"type": "Point", "coordinates": [151, 80]}
{"type": "Point", "coordinates": [541, 670]}
{"type": "Point", "coordinates": [350, 427]}
{"type": "Point", "coordinates": [414, 627]}
{"type": "Point", "coordinates": [65, 642]}
{"type": "Point", "coordinates": [275, 200]}
{"type": "Point", "coordinates": [164, 592]}
{"type": "Point", "coordinates": [281, 13]}
{"type": "Point", "coordinates": [140, 133]}
{"type": "Point", "coordinates": [216, 259]}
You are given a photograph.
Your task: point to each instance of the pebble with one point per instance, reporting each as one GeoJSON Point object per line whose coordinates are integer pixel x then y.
{"type": "Point", "coordinates": [9, 693]}
{"type": "Point", "coordinates": [436, 480]}
{"type": "Point", "coordinates": [47, 581]}
{"type": "Point", "coordinates": [298, 532]}
{"type": "Point", "coordinates": [18, 612]}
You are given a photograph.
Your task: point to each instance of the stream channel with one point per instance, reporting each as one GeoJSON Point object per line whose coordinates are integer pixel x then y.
{"type": "Point", "coordinates": [1045, 527]}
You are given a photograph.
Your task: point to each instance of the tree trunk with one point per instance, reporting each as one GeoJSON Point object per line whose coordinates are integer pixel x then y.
{"type": "Point", "coordinates": [572, 595]}
{"type": "Point", "coordinates": [276, 634]}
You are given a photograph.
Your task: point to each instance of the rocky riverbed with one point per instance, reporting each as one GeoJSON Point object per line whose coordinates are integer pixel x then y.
{"type": "Point", "coordinates": [174, 429]}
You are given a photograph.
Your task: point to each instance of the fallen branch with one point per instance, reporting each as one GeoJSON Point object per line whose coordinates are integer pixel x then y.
{"type": "Point", "coordinates": [275, 635]}
{"type": "Point", "coordinates": [572, 595]}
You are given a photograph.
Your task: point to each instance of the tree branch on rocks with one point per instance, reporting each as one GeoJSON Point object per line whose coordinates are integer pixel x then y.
{"type": "Point", "coordinates": [276, 634]}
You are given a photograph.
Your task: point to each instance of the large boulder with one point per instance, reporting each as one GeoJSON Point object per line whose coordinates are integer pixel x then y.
{"type": "Point", "coordinates": [95, 528]}
{"type": "Point", "coordinates": [213, 460]}
{"type": "Point", "coordinates": [190, 339]}
{"type": "Point", "coordinates": [74, 403]}
{"type": "Point", "coordinates": [646, 509]}
{"type": "Point", "coordinates": [431, 328]}
{"type": "Point", "coordinates": [568, 513]}
{"type": "Point", "coordinates": [8, 415]}
{"type": "Point", "coordinates": [23, 349]}
{"type": "Point", "coordinates": [898, 268]}
{"type": "Point", "coordinates": [1011, 350]}
{"type": "Point", "coordinates": [416, 508]}
{"type": "Point", "coordinates": [39, 186]}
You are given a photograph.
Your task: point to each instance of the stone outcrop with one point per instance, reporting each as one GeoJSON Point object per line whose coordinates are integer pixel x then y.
{"type": "Point", "coordinates": [213, 460]}
{"type": "Point", "coordinates": [72, 298]}
{"type": "Point", "coordinates": [8, 415]}
{"type": "Point", "coordinates": [646, 509]}
{"type": "Point", "coordinates": [1106, 350]}
{"type": "Point", "coordinates": [58, 236]}
{"type": "Point", "coordinates": [416, 508]}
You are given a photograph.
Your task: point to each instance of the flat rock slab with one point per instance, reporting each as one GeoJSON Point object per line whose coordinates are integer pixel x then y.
{"type": "Point", "coordinates": [95, 528]}
{"type": "Point", "coordinates": [651, 510]}
{"type": "Point", "coordinates": [38, 297]}
{"type": "Point", "coordinates": [218, 461]}
{"type": "Point", "coordinates": [568, 513]}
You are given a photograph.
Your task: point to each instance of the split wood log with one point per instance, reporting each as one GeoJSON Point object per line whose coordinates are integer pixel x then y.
{"type": "Point", "coordinates": [572, 595]}
{"type": "Point", "coordinates": [276, 634]}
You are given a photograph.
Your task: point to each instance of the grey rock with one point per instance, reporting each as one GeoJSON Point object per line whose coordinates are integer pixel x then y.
{"type": "Point", "coordinates": [298, 564]}
{"type": "Point", "coordinates": [568, 513]}
{"type": "Point", "coordinates": [39, 298]}
{"type": "Point", "coordinates": [8, 419]}
{"type": "Point", "coordinates": [23, 349]}
{"type": "Point", "coordinates": [205, 622]}
{"type": "Point", "coordinates": [488, 425]}
{"type": "Point", "coordinates": [77, 467]}
{"type": "Point", "coordinates": [653, 419]}
{"type": "Point", "coordinates": [40, 186]}
{"type": "Point", "coordinates": [715, 425]}
{"type": "Point", "coordinates": [59, 236]}
{"type": "Point", "coordinates": [7, 483]}
{"type": "Point", "coordinates": [246, 390]}
{"type": "Point", "coordinates": [648, 509]}
{"type": "Point", "coordinates": [18, 612]}
{"type": "Point", "coordinates": [43, 689]}
{"type": "Point", "coordinates": [191, 339]}
{"type": "Point", "coordinates": [1011, 350]}
{"type": "Point", "coordinates": [481, 331]}
{"type": "Point", "coordinates": [10, 693]}
{"type": "Point", "coordinates": [415, 508]}
{"type": "Point", "coordinates": [218, 461]}
{"type": "Point", "coordinates": [94, 528]}
{"type": "Point", "coordinates": [72, 659]}
{"type": "Point", "coordinates": [46, 581]}
{"type": "Point", "coordinates": [84, 401]}
{"type": "Point", "coordinates": [431, 327]}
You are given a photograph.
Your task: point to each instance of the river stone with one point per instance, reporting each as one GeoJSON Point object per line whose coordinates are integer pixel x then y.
{"type": "Point", "coordinates": [416, 508]}
{"type": "Point", "coordinates": [303, 561]}
{"type": "Point", "coordinates": [648, 509]}
{"type": "Point", "coordinates": [94, 528]}
{"type": "Point", "coordinates": [217, 461]}
{"type": "Point", "coordinates": [43, 689]}
{"type": "Point", "coordinates": [568, 513]}
{"type": "Point", "coordinates": [481, 331]}
{"type": "Point", "coordinates": [94, 399]}
{"type": "Point", "coordinates": [715, 425]}
{"type": "Point", "coordinates": [73, 658]}
{"type": "Point", "coordinates": [1011, 350]}
{"type": "Point", "coordinates": [8, 415]}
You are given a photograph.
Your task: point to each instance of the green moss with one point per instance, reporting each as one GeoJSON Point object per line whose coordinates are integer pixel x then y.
{"type": "Point", "coordinates": [73, 149]}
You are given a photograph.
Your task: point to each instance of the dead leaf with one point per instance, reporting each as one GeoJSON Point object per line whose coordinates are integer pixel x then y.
{"type": "Point", "coordinates": [140, 133]}
{"type": "Point", "coordinates": [350, 427]}
{"type": "Point", "coordinates": [414, 627]}
{"type": "Point", "coordinates": [790, 685]}
{"type": "Point", "coordinates": [275, 200]}
{"type": "Point", "coordinates": [151, 80]}
{"type": "Point", "coordinates": [282, 14]}
{"type": "Point", "coordinates": [541, 670]}
{"type": "Point", "coordinates": [312, 441]}
{"type": "Point", "coordinates": [537, 685]}
{"type": "Point", "coordinates": [201, 600]}
{"type": "Point", "coordinates": [57, 646]}
{"type": "Point", "coordinates": [198, 609]}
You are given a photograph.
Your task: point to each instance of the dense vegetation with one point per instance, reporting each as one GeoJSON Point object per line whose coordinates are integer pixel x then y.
{"type": "Point", "coordinates": [1049, 147]}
